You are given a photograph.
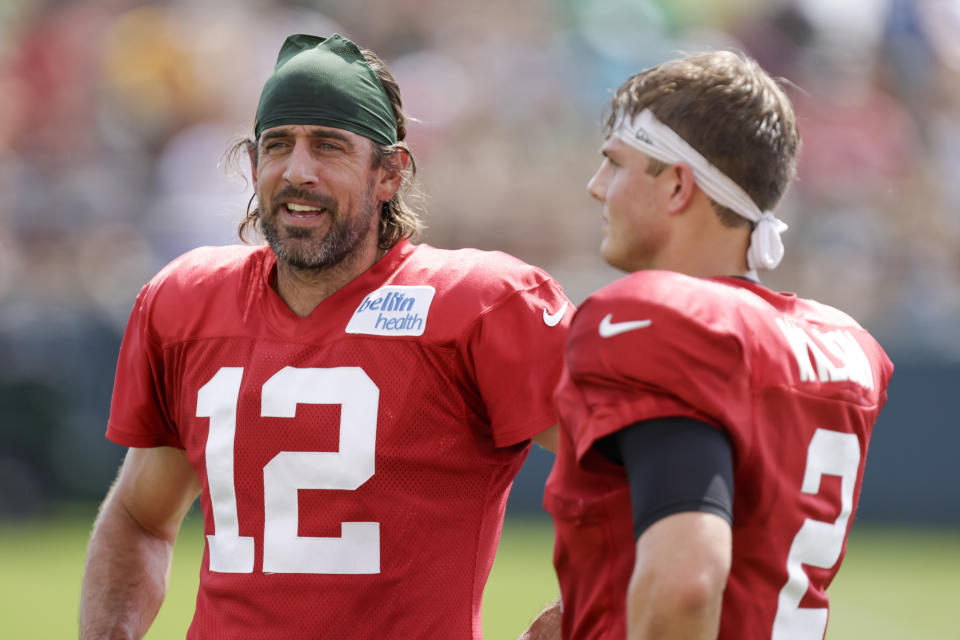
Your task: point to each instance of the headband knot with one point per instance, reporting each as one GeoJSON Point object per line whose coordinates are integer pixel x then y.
{"type": "Point", "coordinates": [766, 246]}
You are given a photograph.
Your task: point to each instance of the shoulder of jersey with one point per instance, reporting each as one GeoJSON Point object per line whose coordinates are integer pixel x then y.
{"type": "Point", "coordinates": [819, 312]}
{"type": "Point", "coordinates": [648, 325]}
{"type": "Point", "coordinates": [206, 277]}
{"type": "Point", "coordinates": [471, 279]}
{"type": "Point", "coordinates": [667, 300]}
{"type": "Point", "coordinates": [204, 266]}
{"type": "Point", "coordinates": [717, 303]}
{"type": "Point", "coordinates": [681, 310]}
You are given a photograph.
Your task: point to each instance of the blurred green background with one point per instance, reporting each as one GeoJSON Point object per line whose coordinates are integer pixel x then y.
{"type": "Point", "coordinates": [894, 583]}
{"type": "Point", "coordinates": [115, 113]}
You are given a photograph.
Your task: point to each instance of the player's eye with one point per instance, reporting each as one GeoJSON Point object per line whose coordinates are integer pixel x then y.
{"type": "Point", "coordinates": [606, 158]}
{"type": "Point", "coordinates": [274, 145]}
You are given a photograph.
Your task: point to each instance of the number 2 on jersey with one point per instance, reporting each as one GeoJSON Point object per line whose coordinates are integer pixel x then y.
{"type": "Point", "coordinates": [357, 550]}
{"type": "Point", "coordinates": [817, 543]}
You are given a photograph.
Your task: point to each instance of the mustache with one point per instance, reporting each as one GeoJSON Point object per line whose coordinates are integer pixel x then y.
{"type": "Point", "coordinates": [318, 199]}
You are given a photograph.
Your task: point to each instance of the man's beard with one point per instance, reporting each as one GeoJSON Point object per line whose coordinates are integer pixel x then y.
{"type": "Point", "coordinates": [296, 247]}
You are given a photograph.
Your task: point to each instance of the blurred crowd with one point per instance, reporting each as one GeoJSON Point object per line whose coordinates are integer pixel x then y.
{"type": "Point", "coordinates": [115, 114]}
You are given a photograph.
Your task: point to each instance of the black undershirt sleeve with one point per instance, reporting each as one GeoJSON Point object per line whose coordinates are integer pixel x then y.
{"type": "Point", "coordinates": [673, 465]}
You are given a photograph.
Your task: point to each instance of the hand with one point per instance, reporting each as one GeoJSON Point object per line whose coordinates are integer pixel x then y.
{"type": "Point", "coordinates": [546, 626]}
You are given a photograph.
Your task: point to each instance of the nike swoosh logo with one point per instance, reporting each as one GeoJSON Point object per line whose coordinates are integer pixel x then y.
{"type": "Point", "coordinates": [608, 328]}
{"type": "Point", "coordinates": [552, 320]}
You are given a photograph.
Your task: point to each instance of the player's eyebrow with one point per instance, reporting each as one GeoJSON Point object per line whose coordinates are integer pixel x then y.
{"type": "Point", "coordinates": [609, 154]}
{"type": "Point", "coordinates": [331, 135]}
{"type": "Point", "coordinates": [314, 132]}
{"type": "Point", "coordinates": [273, 134]}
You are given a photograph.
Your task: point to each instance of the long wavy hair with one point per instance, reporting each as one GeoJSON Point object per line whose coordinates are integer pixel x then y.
{"type": "Point", "coordinates": [399, 216]}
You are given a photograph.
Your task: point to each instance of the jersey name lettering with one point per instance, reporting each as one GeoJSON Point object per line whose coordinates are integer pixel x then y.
{"type": "Point", "coordinates": [810, 348]}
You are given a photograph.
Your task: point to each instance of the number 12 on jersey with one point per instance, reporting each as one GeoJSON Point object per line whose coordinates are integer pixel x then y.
{"type": "Point", "coordinates": [357, 550]}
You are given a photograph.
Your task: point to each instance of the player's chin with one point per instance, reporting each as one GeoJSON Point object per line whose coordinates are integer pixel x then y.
{"type": "Point", "coordinates": [300, 253]}
{"type": "Point", "coordinates": [607, 248]}
{"type": "Point", "coordinates": [615, 256]}
{"type": "Point", "coordinates": [295, 233]}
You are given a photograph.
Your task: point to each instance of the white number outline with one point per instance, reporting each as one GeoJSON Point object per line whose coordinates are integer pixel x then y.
{"type": "Point", "coordinates": [817, 543]}
{"type": "Point", "coordinates": [357, 549]}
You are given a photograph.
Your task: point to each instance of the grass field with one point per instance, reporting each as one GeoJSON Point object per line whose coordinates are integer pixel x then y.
{"type": "Point", "coordinates": [895, 583]}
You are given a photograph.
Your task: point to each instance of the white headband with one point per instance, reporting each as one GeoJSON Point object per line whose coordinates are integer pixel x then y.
{"type": "Point", "coordinates": [647, 134]}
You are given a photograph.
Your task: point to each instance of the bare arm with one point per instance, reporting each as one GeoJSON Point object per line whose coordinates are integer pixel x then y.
{"type": "Point", "coordinates": [546, 626]}
{"type": "Point", "coordinates": [681, 570]}
{"type": "Point", "coordinates": [128, 558]}
{"type": "Point", "coordinates": [547, 439]}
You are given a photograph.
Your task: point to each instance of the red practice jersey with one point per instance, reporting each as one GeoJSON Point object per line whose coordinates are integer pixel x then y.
{"type": "Point", "coordinates": [795, 385]}
{"type": "Point", "coordinates": [355, 464]}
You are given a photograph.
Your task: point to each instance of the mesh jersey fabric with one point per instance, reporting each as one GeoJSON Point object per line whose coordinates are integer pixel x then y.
{"type": "Point", "coordinates": [402, 447]}
{"type": "Point", "coordinates": [724, 351]}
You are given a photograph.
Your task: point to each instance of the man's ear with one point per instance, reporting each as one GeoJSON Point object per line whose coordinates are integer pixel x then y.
{"type": "Point", "coordinates": [392, 176]}
{"type": "Point", "coordinates": [682, 186]}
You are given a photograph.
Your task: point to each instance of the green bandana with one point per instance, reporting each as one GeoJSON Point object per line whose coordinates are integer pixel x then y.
{"type": "Point", "coordinates": [327, 82]}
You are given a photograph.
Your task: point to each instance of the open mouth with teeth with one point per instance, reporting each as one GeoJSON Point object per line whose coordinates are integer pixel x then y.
{"type": "Point", "coordinates": [303, 210]}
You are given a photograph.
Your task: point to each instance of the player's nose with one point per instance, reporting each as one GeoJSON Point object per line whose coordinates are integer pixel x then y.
{"type": "Point", "coordinates": [301, 167]}
{"type": "Point", "coordinates": [597, 188]}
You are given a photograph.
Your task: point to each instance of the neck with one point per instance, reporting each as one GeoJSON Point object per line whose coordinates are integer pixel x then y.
{"type": "Point", "coordinates": [700, 265]}
{"type": "Point", "coordinates": [701, 246]}
{"type": "Point", "coordinates": [303, 289]}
